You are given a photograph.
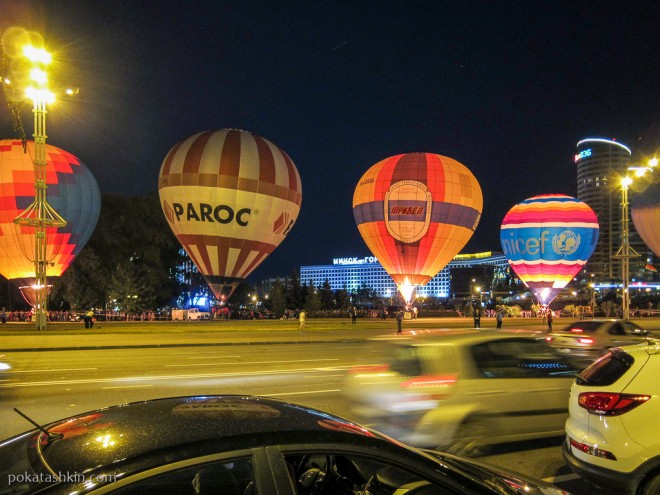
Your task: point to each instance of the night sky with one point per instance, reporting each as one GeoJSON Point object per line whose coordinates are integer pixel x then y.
{"type": "Point", "coordinates": [505, 87]}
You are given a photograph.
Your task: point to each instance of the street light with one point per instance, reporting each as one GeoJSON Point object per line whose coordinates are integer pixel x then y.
{"type": "Point", "coordinates": [626, 252]}
{"type": "Point", "coordinates": [40, 215]}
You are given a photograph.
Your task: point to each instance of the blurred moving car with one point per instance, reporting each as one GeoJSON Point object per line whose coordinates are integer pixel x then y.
{"type": "Point", "coordinates": [235, 445]}
{"type": "Point", "coordinates": [461, 390]}
{"type": "Point", "coordinates": [586, 340]}
{"type": "Point", "coordinates": [4, 367]}
{"type": "Point", "coordinates": [613, 432]}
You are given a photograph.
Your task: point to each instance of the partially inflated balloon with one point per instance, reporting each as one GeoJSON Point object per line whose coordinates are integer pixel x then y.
{"type": "Point", "coordinates": [230, 197]}
{"type": "Point", "coordinates": [416, 212]}
{"type": "Point", "coordinates": [547, 240]}
{"type": "Point", "coordinates": [72, 192]}
{"type": "Point", "coordinates": [645, 214]}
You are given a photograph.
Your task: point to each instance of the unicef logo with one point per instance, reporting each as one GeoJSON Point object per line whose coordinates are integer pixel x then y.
{"type": "Point", "coordinates": [566, 242]}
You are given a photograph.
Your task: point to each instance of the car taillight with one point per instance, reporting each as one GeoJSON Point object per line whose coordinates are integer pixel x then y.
{"type": "Point", "coordinates": [549, 338]}
{"type": "Point", "coordinates": [586, 340]}
{"type": "Point", "coordinates": [610, 404]}
{"type": "Point", "coordinates": [429, 387]}
{"type": "Point", "coordinates": [577, 330]}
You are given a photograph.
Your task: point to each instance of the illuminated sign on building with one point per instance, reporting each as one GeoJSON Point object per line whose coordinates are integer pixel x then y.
{"type": "Point", "coordinates": [582, 154]}
{"type": "Point", "coordinates": [354, 261]}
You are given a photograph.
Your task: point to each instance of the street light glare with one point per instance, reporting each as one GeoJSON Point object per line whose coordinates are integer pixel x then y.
{"type": "Point", "coordinates": [39, 76]}
{"type": "Point", "coordinates": [626, 181]}
{"type": "Point", "coordinates": [40, 95]}
{"type": "Point", "coordinates": [38, 55]}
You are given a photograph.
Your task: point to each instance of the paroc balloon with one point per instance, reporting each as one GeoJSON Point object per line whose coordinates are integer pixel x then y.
{"type": "Point", "coordinates": [72, 192]}
{"type": "Point", "coordinates": [415, 212]}
{"type": "Point", "coordinates": [230, 197]}
{"type": "Point", "coordinates": [547, 240]}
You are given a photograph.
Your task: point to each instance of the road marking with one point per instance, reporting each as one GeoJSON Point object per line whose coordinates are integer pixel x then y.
{"type": "Point", "coordinates": [251, 362]}
{"type": "Point", "coordinates": [55, 369]}
{"type": "Point", "coordinates": [302, 393]}
{"type": "Point", "coordinates": [127, 386]}
{"type": "Point", "coordinates": [230, 374]}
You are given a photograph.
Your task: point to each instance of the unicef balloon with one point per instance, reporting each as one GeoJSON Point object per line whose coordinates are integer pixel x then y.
{"type": "Point", "coordinates": [547, 240]}
{"type": "Point", "coordinates": [230, 197]}
{"type": "Point", "coordinates": [416, 212]}
{"type": "Point", "coordinates": [72, 192]}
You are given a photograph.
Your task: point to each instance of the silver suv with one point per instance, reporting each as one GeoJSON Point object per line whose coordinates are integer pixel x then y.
{"type": "Point", "coordinates": [460, 390]}
{"type": "Point", "coordinates": [585, 341]}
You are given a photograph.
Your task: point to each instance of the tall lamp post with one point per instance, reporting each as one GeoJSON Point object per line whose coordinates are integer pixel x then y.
{"type": "Point", "coordinates": [40, 215]}
{"type": "Point", "coordinates": [626, 252]}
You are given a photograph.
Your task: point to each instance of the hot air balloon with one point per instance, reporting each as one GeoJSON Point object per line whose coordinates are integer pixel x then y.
{"type": "Point", "coordinates": [72, 192]}
{"type": "Point", "coordinates": [230, 197]}
{"type": "Point", "coordinates": [415, 212]}
{"type": "Point", "coordinates": [645, 214]}
{"type": "Point", "coordinates": [547, 240]}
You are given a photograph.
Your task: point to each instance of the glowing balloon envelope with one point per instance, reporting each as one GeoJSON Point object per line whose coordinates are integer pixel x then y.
{"type": "Point", "coordinates": [547, 240]}
{"type": "Point", "coordinates": [72, 192]}
{"type": "Point", "coordinates": [415, 212]}
{"type": "Point", "coordinates": [646, 218]}
{"type": "Point", "coordinates": [230, 197]}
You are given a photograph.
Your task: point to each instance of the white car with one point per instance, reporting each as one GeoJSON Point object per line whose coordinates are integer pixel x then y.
{"type": "Point", "coordinates": [613, 429]}
{"type": "Point", "coordinates": [462, 390]}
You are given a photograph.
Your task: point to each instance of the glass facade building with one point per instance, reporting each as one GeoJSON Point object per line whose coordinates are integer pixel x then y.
{"type": "Point", "coordinates": [352, 274]}
{"type": "Point", "coordinates": [601, 163]}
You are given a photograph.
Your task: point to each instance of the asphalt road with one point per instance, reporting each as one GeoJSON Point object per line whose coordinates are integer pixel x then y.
{"type": "Point", "coordinates": [61, 374]}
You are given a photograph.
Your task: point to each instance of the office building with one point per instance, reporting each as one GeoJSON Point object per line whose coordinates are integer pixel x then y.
{"type": "Point", "coordinates": [352, 274]}
{"type": "Point", "coordinates": [601, 163]}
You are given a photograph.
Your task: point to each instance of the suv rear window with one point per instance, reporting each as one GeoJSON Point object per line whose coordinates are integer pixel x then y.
{"type": "Point", "coordinates": [405, 361]}
{"type": "Point", "coordinates": [607, 369]}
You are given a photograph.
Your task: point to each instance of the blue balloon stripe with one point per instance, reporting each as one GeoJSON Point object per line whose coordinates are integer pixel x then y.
{"type": "Point", "coordinates": [447, 213]}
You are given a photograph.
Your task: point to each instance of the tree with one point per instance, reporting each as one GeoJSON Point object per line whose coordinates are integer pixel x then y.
{"type": "Point", "coordinates": [327, 297]}
{"type": "Point", "coordinates": [312, 301]}
{"type": "Point", "coordinates": [278, 298]}
{"type": "Point", "coordinates": [294, 294]}
{"type": "Point", "coordinates": [82, 287]}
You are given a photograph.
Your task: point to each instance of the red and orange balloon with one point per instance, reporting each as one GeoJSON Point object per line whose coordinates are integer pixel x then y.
{"type": "Point", "coordinates": [415, 212]}
{"type": "Point", "coordinates": [230, 197]}
{"type": "Point", "coordinates": [73, 193]}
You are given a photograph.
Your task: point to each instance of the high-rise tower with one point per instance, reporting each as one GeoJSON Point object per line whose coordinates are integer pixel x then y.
{"type": "Point", "coordinates": [601, 163]}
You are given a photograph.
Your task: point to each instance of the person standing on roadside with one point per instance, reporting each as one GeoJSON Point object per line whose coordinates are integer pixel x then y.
{"type": "Point", "coordinates": [499, 317]}
{"type": "Point", "coordinates": [301, 319]}
{"type": "Point", "coordinates": [549, 320]}
{"type": "Point", "coordinates": [89, 319]}
{"type": "Point", "coordinates": [477, 317]}
{"type": "Point", "coordinates": [399, 321]}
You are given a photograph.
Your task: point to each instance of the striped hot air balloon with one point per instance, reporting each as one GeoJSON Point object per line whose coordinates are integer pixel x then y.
{"type": "Point", "coordinates": [72, 192]}
{"type": "Point", "coordinates": [547, 240]}
{"type": "Point", "coordinates": [230, 197]}
{"type": "Point", "coordinates": [415, 212]}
